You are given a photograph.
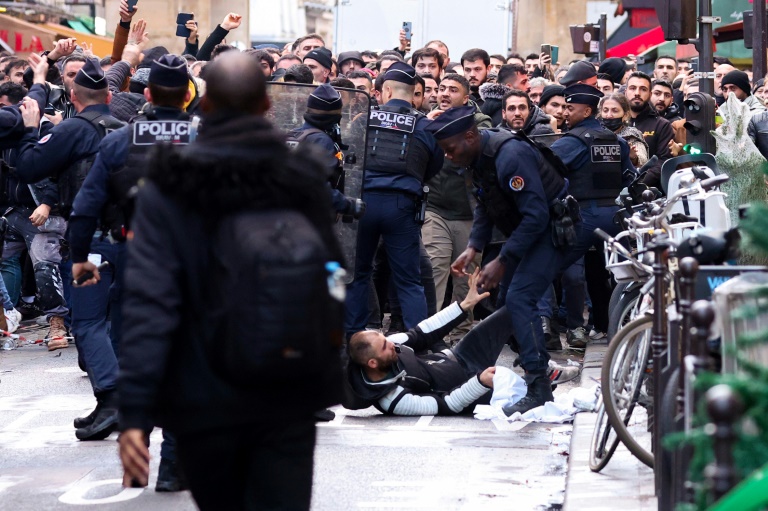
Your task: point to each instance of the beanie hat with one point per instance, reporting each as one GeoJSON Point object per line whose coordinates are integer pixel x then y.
{"type": "Point", "coordinates": [738, 78]}
{"type": "Point", "coordinates": [614, 66]}
{"type": "Point", "coordinates": [549, 92]}
{"type": "Point", "coordinates": [322, 56]}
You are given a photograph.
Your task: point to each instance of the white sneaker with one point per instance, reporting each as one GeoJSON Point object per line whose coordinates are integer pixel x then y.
{"type": "Point", "coordinates": [596, 335]}
{"type": "Point", "coordinates": [562, 373]}
{"type": "Point", "coordinates": [12, 318]}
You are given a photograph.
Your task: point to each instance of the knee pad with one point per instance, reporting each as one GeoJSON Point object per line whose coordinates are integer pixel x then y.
{"type": "Point", "coordinates": [50, 287]}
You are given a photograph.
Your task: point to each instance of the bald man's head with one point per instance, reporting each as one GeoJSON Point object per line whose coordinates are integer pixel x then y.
{"type": "Point", "coordinates": [224, 85]}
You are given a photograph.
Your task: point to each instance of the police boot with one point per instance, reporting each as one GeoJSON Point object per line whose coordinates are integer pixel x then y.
{"type": "Point", "coordinates": [84, 422]}
{"type": "Point", "coordinates": [539, 392]}
{"type": "Point", "coordinates": [105, 420]}
{"type": "Point", "coordinates": [170, 477]}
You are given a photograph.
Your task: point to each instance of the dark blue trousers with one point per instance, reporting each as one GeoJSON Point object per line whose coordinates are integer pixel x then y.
{"type": "Point", "coordinates": [391, 217]}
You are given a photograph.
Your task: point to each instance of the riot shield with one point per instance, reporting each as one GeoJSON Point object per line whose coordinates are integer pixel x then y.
{"type": "Point", "coordinates": [289, 102]}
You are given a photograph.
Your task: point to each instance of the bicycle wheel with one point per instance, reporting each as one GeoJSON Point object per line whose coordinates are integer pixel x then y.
{"type": "Point", "coordinates": [604, 441]}
{"type": "Point", "coordinates": [623, 374]}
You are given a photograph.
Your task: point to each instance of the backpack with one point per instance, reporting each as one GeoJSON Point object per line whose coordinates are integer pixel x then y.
{"type": "Point", "coordinates": [275, 321]}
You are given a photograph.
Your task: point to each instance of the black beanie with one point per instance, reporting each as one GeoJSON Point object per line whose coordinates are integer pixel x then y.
{"type": "Point", "coordinates": [615, 67]}
{"type": "Point", "coordinates": [738, 78]}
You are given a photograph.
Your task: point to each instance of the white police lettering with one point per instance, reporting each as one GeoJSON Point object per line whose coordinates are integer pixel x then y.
{"type": "Point", "coordinates": [606, 153]}
{"type": "Point", "coordinates": [392, 121]}
{"type": "Point", "coordinates": [153, 132]}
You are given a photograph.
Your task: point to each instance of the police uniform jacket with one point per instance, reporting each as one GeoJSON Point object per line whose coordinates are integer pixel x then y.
{"type": "Point", "coordinates": [69, 142]}
{"type": "Point", "coordinates": [94, 194]}
{"type": "Point", "coordinates": [401, 182]}
{"type": "Point", "coordinates": [517, 169]}
{"type": "Point", "coordinates": [327, 153]}
{"type": "Point", "coordinates": [575, 153]}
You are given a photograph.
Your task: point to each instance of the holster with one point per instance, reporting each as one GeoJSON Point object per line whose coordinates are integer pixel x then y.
{"type": "Point", "coordinates": [421, 206]}
{"type": "Point", "coordinates": [565, 216]}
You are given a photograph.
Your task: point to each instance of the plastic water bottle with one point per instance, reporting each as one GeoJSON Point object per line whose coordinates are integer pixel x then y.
{"type": "Point", "coordinates": [9, 343]}
{"type": "Point", "coordinates": [336, 286]}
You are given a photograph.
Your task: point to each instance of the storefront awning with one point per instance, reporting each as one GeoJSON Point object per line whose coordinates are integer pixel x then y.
{"type": "Point", "coordinates": [638, 45]}
{"type": "Point", "coordinates": [23, 37]}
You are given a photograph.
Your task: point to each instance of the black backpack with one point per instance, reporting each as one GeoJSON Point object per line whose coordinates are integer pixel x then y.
{"type": "Point", "coordinates": [274, 321]}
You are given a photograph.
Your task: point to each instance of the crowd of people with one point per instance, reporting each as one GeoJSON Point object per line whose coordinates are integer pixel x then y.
{"type": "Point", "coordinates": [119, 171]}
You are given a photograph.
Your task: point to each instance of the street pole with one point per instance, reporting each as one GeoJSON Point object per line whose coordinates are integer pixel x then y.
{"type": "Point", "coordinates": [604, 36]}
{"type": "Point", "coordinates": [706, 82]}
{"type": "Point", "coordinates": [759, 39]}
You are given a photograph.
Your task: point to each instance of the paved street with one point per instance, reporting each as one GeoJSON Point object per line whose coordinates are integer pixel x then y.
{"type": "Point", "coordinates": [363, 459]}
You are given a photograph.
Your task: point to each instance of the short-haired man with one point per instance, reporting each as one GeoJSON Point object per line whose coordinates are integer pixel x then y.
{"type": "Point", "coordinates": [662, 99]}
{"type": "Point", "coordinates": [361, 80]}
{"type": "Point", "coordinates": [320, 62]}
{"type": "Point", "coordinates": [11, 94]}
{"type": "Point", "coordinates": [656, 130]}
{"type": "Point", "coordinates": [496, 62]}
{"type": "Point", "coordinates": [531, 63]}
{"type": "Point", "coordinates": [605, 83]}
{"type": "Point", "coordinates": [515, 58]}
{"type": "Point", "coordinates": [537, 85]}
{"type": "Point", "coordinates": [306, 44]}
{"type": "Point", "coordinates": [386, 59]}
{"type": "Point", "coordinates": [476, 64]}
{"type": "Point", "coordinates": [286, 61]}
{"type": "Point", "coordinates": [14, 71]}
{"type": "Point", "coordinates": [430, 93]}
{"type": "Point", "coordinates": [442, 49]}
{"type": "Point", "coordinates": [665, 68]}
{"type": "Point", "coordinates": [265, 60]}
{"type": "Point", "coordinates": [519, 113]}
{"type": "Point", "coordinates": [429, 61]}
{"type": "Point", "coordinates": [511, 76]}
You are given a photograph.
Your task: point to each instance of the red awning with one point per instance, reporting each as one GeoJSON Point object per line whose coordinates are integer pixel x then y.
{"type": "Point", "coordinates": [639, 44]}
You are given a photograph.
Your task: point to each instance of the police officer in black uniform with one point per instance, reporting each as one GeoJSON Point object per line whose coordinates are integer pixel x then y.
{"type": "Point", "coordinates": [400, 157]}
{"type": "Point", "coordinates": [322, 130]}
{"type": "Point", "coordinates": [517, 190]}
{"type": "Point", "coordinates": [66, 154]}
{"type": "Point", "coordinates": [599, 167]}
{"type": "Point", "coordinates": [105, 201]}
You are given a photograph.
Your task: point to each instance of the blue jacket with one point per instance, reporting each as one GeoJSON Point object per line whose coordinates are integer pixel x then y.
{"type": "Point", "coordinates": [519, 162]}
{"type": "Point", "coordinates": [398, 182]}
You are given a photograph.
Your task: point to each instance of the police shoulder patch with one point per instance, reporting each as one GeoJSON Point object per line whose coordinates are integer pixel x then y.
{"type": "Point", "coordinates": [517, 183]}
{"type": "Point", "coordinates": [45, 138]}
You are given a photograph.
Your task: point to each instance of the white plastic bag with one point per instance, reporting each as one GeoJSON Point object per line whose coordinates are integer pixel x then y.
{"type": "Point", "coordinates": [508, 388]}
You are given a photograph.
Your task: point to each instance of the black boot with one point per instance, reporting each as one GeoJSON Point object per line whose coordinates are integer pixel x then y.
{"type": "Point", "coordinates": [84, 422]}
{"type": "Point", "coordinates": [396, 325]}
{"type": "Point", "coordinates": [105, 420]}
{"type": "Point", "coordinates": [170, 477]}
{"type": "Point", "coordinates": [539, 392]}
{"type": "Point", "coordinates": [324, 415]}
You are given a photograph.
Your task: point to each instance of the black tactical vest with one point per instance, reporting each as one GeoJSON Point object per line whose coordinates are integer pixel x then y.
{"type": "Point", "coordinates": [123, 183]}
{"type": "Point", "coordinates": [390, 146]}
{"type": "Point", "coordinates": [70, 181]}
{"type": "Point", "coordinates": [600, 178]}
{"type": "Point", "coordinates": [499, 203]}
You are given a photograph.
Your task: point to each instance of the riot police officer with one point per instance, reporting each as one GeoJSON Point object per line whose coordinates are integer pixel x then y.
{"type": "Point", "coordinates": [321, 129]}
{"type": "Point", "coordinates": [599, 167]}
{"type": "Point", "coordinates": [517, 189]}
{"type": "Point", "coordinates": [400, 156]}
{"type": "Point", "coordinates": [106, 201]}
{"type": "Point", "coordinates": [66, 154]}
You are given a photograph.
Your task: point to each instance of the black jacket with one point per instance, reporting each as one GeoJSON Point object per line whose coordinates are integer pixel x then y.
{"type": "Point", "coordinates": [758, 132]}
{"type": "Point", "coordinates": [538, 123]}
{"type": "Point", "coordinates": [657, 132]}
{"type": "Point", "coordinates": [236, 162]}
{"type": "Point", "coordinates": [492, 94]}
{"type": "Point", "coordinates": [422, 384]}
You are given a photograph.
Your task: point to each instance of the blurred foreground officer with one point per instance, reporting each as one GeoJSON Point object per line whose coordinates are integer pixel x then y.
{"type": "Point", "coordinates": [517, 188]}
{"type": "Point", "coordinates": [66, 155]}
{"type": "Point", "coordinates": [105, 201]}
{"type": "Point", "coordinates": [245, 438]}
{"type": "Point", "coordinates": [400, 157]}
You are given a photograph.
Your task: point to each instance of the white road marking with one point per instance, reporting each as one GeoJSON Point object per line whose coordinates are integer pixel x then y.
{"type": "Point", "coordinates": [76, 496]}
{"type": "Point", "coordinates": [20, 421]}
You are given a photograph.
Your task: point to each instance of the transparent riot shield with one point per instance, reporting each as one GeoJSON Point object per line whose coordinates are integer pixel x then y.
{"type": "Point", "coordinates": [289, 102]}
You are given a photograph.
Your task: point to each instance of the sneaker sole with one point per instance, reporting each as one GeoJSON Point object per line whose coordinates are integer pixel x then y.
{"type": "Point", "coordinates": [100, 434]}
{"type": "Point", "coordinates": [57, 345]}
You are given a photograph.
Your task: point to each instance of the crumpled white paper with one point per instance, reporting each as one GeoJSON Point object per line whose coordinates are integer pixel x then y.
{"type": "Point", "coordinates": [508, 388]}
{"type": "Point", "coordinates": [562, 409]}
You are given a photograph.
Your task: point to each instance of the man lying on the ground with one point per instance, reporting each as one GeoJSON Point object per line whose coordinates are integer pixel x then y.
{"type": "Point", "coordinates": [387, 373]}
